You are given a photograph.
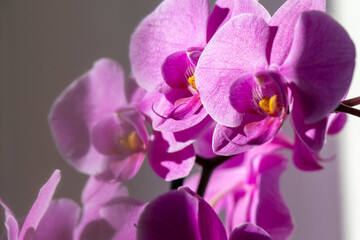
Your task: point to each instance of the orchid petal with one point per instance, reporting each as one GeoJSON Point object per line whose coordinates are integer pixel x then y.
{"type": "Point", "coordinates": [272, 213]}
{"type": "Point", "coordinates": [336, 123]}
{"type": "Point", "coordinates": [170, 166]}
{"type": "Point", "coordinates": [209, 223]}
{"type": "Point", "coordinates": [226, 9]}
{"type": "Point", "coordinates": [107, 134]}
{"type": "Point", "coordinates": [229, 141]}
{"type": "Point", "coordinates": [95, 194]}
{"type": "Point", "coordinates": [59, 221]}
{"type": "Point", "coordinates": [173, 215]}
{"type": "Point", "coordinates": [188, 115]}
{"type": "Point", "coordinates": [177, 69]}
{"type": "Point", "coordinates": [203, 144]}
{"type": "Point", "coordinates": [88, 99]}
{"type": "Point", "coordinates": [123, 214]}
{"type": "Point", "coordinates": [12, 226]}
{"type": "Point", "coordinates": [249, 231]}
{"type": "Point", "coordinates": [242, 95]}
{"type": "Point", "coordinates": [320, 64]}
{"type": "Point", "coordinates": [180, 140]}
{"type": "Point", "coordinates": [312, 135]}
{"type": "Point", "coordinates": [98, 229]}
{"type": "Point", "coordinates": [125, 169]}
{"type": "Point", "coordinates": [41, 204]}
{"type": "Point", "coordinates": [173, 26]}
{"type": "Point", "coordinates": [239, 47]}
{"type": "Point", "coordinates": [285, 19]}
{"type": "Point", "coordinates": [304, 158]}
{"type": "Point", "coordinates": [98, 192]}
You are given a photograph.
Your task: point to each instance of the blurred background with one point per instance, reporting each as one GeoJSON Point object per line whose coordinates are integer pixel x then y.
{"type": "Point", "coordinates": [45, 45]}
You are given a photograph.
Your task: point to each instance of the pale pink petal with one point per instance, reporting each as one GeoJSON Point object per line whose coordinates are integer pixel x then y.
{"type": "Point", "coordinates": [123, 214]}
{"type": "Point", "coordinates": [226, 9]}
{"type": "Point", "coordinates": [173, 26]}
{"type": "Point", "coordinates": [98, 192]}
{"type": "Point", "coordinates": [12, 226]}
{"type": "Point", "coordinates": [285, 19]}
{"type": "Point", "coordinates": [41, 204]}
{"type": "Point", "coordinates": [239, 47]}
{"type": "Point", "coordinates": [59, 221]}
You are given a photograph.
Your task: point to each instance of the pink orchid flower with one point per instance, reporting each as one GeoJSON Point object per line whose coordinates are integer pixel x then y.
{"type": "Point", "coordinates": [96, 129]}
{"type": "Point", "coordinates": [253, 71]}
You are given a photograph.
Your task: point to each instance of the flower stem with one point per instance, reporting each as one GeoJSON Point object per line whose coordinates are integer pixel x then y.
{"type": "Point", "coordinates": [347, 109]}
{"type": "Point", "coordinates": [208, 166]}
{"type": "Point", "coordinates": [352, 102]}
{"type": "Point", "coordinates": [175, 184]}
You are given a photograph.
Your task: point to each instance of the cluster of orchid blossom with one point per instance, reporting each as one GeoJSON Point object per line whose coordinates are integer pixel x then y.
{"type": "Point", "coordinates": [216, 87]}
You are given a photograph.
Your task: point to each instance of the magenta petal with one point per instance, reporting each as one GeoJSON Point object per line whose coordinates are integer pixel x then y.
{"type": "Point", "coordinates": [59, 221]}
{"type": "Point", "coordinates": [320, 64]}
{"type": "Point", "coordinates": [229, 141]}
{"type": "Point", "coordinates": [263, 131]}
{"type": "Point", "coordinates": [216, 19]}
{"type": "Point", "coordinates": [272, 213]}
{"type": "Point", "coordinates": [41, 204]}
{"type": "Point", "coordinates": [170, 166]}
{"type": "Point", "coordinates": [210, 225]}
{"type": "Point", "coordinates": [11, 224]}
{"type": "Point", "coordinates": [249, 231]}
{"type": "Point", "coordinates": [173, 215]}
{"type": "Point", "coordinates": [242, 95]}
{"type": "Point", "coordinates": [285, 19]}
{"type": "Point", "coordinates": [180, 140]}
{"type": "Point", "coordinates": [186, 107]}
{"type": "Point", "coordinates": [123, 214]}
{"type": "Point", "coordinates": [188, 115]}
{"type": "Point", "coordinates": [337, 123]}
{"type": "Point", "coordinates": [239, 47]}
{"type": "Point", "coordinates": [177, 69]}
{"type": "Point", "coordinates": [203, 145]}
{"type": "Point", "coordinates": [88, 99]}
{"type": "Point", "coordinates": [173, 26]}
{"type": "Point", "coordinates": [312, 135]}
{"type": "Point", "coordinates": [304, 158]}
